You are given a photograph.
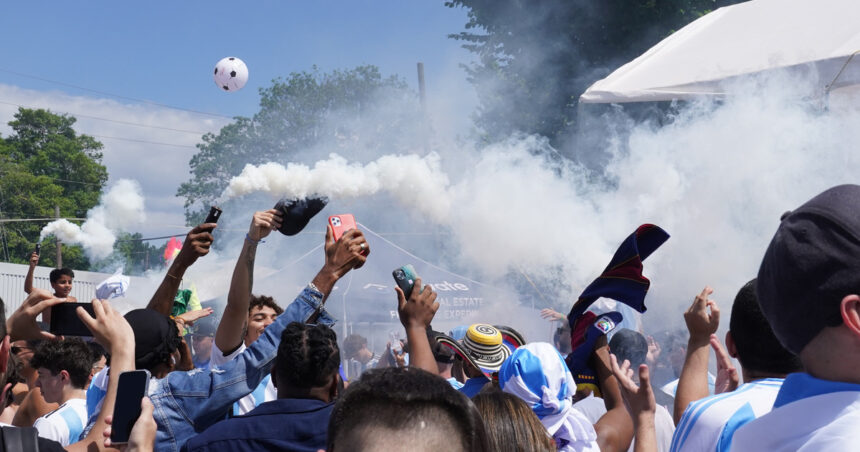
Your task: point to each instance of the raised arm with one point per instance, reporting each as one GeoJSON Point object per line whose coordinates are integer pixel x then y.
{"type": "Point", "coordinates": [615, 428]}
{"type": "Point", "coordinates": [28, 281]}
{"type": "Point", "coordinates": [111, 330]}
{"type": "Point", "coordinates": [640, 402]}
{"type": "Point", "coordinates": [228, 336]}
{"type": "Point", "coordinates": [701, 322]}
{"type": "Point", "coordinates": [416, 313]}
{"type": "Point", "coordinates": [196, 244]}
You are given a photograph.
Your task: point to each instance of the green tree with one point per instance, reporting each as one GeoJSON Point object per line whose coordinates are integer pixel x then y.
{"type": "Point", "coordinates": [534, 59]}
{"type": "Point", "coordinates": [303, 111]}
{"type": "Point", "coordinates": [44, 164]}
{"type": "Point", "coordinates": [135, 255]}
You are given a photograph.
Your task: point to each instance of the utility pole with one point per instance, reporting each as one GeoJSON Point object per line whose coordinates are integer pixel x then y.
{"type": "Point", "coordinates": [59, 245]}
{"type": "Point", "coordinates": [422, 96]}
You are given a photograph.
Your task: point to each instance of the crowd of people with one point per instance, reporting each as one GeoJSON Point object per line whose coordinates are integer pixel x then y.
{"type": "Point", "coordinates": [268, 375]}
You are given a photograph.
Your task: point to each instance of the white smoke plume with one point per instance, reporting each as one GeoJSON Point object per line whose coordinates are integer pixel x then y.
{"type": "Point", "coordinates": [406, 177]}
{"type": "Point", "coordinates": [717, 178]}
{"type": "Point", "coordinates": [120, 208]}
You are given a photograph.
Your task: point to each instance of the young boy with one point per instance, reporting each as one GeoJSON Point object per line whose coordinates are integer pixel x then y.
{"type": "Point", "coordinates": [64, 371]}
{"type": "Point", "coordinates": [61, 279]}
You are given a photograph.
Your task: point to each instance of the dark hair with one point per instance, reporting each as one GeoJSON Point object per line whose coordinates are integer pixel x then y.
{"type": "Point", "coordinates": [98, 351]}
{"type": "Point", "coordinates": [72, 355]}
{"type": "Point", "coordinates": [57, 272]}
{"type": "Point", "coordinates": [405, 399]}
{"type": "Point", "coordinates": [630, 345]}
{"type": "Point", "coordinates": [758, 348]}
{"type": "Point", "coordinates": [352, 344]}
{"type": "Point", "coordinates": [511, 425]}
{"type": "Point", "coordinates": [307, 356]}
{"type": "Point", "coordinates": [260, 301]}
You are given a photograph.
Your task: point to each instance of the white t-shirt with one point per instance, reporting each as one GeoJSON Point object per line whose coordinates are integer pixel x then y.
{"type": "Point", "coordinates": [594, 407]}
{"type": "Point", "coordinates": [65, 424]}
{"type": "Point", "coordinates": [809, 415]}
{"type": "Point", "coordinates": [265, 391]}
{"type": "Point", "coordinates": [709, 424]}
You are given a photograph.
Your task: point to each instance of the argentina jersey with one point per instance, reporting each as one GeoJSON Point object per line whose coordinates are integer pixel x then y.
{"type": "Point", "coordinates": [710, 423]}
{"type": "Point", "coordinates": [65, 424]}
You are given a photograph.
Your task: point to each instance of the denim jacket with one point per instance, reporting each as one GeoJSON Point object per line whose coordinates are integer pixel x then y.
{"type": "Point", "coordinates": [186, 403]}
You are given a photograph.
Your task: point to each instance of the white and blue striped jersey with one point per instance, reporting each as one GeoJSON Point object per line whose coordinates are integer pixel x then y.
{"type": "Point", "coordinates": [710, 423]}
{"type": "Point", "coordinates": [65, 424]}
{"type": "Point", "coordinates": [265, 391]}
{"type": "Point", "coordinates": [809, 415]}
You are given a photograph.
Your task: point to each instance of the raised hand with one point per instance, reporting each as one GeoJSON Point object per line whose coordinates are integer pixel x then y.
{"type": "Point", "coordinates": [188, 318]}
{"type": "Point", "coordinates": [703, 316]}
{"type": "Point", "coordinates": [350, 251]}
{"type": "Point", "coordinates": [197, 243]}
{"type": "Point", "coordinates": [639, 399]}
{"type": "Point", "coordinates": [109, 327]}
{"type": "Point", "coordinates": [552, 315]}
{"type": "Point", "coordinates": [419, 309]}
{"type": "Point", "coordinates": [264, 223]}
{"type": "Point", "coordinates": [727, 375]}
{"type": "Point", "coordinates": [34, 259]}
{"type": "Point", "coordinates": [22, 323]}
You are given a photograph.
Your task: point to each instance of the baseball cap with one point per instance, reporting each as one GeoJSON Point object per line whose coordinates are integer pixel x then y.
{"type": "Point", "coordinates": [812, 262]}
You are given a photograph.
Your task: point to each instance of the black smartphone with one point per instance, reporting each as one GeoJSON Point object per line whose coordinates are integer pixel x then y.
{"type": "Point", "coordinates": [405, 277]}
{"type": "Point", "coordinates": [214, 215]}
{"type": "Point", "coordinates": [65, 320]}
{"type": "Point", "coordinates": [133, 385]}
{"type": "Point", "coordinates": [38, 249]}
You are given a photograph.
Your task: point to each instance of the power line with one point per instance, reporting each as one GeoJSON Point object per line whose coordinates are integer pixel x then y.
{"type": "Point", "coordinates": [21, 74]}
{"type": "Point", "coordinates": [19, 220]}
{"type": "Point", "coordinates": [144, 141]}
{"type": "Point", "coordinates": [80, 115]}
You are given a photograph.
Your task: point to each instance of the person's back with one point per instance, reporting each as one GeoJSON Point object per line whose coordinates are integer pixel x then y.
{"type": "Point", "coordinates": [709, 424]}
{"type": "Point", "coordinates": [306, 375]}
{"type": "Point", "coordinates": [809, 290]}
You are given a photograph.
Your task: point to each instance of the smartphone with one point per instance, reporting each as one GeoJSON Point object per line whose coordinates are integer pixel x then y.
{"type": "Point", "coordinates": [65, 320]}
{"type": "Point", "coordinates": [38, 249]}
{"type": "Point", "coordinates": [133, 385]}
{"type": "Point", "coordinates": [340, 224]}
{"type": "Point", "coordinates": [405, 277]}
{"type": "Point", "coordinates": [214, 215]}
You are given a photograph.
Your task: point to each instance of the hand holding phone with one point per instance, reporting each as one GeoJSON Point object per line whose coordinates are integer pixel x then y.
{"type": "Point", "coordinates": [133, 386]}
{"type": "Point", "coordinates": [405, 277]}
{"type": "Point", "coordinates": [342, 223]}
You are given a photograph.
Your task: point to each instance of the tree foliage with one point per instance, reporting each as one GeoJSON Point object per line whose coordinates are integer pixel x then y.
{"type": "Point", "coordinates": [534, 59]}
{"type": "Point", "coordinates": [297, 113]}
{"type": "Point", "coordinates": [45, 163]}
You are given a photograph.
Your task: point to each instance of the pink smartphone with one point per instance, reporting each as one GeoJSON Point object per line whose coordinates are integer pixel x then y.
{"type": "Point", "coordinates": [340, 224]}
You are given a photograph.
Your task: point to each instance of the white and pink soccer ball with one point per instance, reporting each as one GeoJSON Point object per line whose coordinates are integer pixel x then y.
{"type": "Point", "coordinates": [231, 74]}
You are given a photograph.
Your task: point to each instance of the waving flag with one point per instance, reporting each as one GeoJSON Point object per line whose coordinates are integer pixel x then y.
{"type": "Point", "coordinates": [622, 279]}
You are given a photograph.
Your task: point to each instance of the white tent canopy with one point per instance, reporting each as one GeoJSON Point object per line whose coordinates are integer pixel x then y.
{"type": "Point", "coordinates": [816, 38]}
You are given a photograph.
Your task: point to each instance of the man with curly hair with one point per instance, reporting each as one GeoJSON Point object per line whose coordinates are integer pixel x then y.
{"type": "Point", "coordinates": [306, 377]}
{"type": "Point", "coordinates": [64, 371]}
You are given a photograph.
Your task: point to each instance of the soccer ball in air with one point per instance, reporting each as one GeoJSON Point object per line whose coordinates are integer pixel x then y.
{"type": "Point", "coordinates": [231, 74]}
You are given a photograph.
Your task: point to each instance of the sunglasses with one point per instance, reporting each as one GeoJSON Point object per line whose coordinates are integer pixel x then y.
{"type": "Point", "coordinates": [16, 349]}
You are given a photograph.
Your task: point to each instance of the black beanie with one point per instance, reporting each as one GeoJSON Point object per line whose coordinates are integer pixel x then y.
{"type": "Point", "coordinates": [812, 262]}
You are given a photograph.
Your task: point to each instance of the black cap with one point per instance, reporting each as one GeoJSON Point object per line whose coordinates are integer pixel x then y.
{"type": "Point", "coordinates": [155, 337]}
{"type": "Point", "coordinates": [812, 262]}
{"type": "Point", "coordinates": [297, 213]}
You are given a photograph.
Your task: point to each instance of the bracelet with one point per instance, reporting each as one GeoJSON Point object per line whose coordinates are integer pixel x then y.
{"type": "Point", "coordinates": [250, 240]}
{"type": "Point", "coordinates": [174, 277]}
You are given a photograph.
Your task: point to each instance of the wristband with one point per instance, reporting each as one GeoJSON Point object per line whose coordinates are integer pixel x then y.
{"type": "Point", "coordinates": [250, 240]}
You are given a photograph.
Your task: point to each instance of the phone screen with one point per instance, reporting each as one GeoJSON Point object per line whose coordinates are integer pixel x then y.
{"type": "Point", "coordinates": [65, 320]}
{"type": "Point", "coordinates": [132, 387]}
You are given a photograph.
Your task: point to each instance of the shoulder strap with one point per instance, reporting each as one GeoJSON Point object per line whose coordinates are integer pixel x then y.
{"type": "Point", "coordinates": [20, 439]}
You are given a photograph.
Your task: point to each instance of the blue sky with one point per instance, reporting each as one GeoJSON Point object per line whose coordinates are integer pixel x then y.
{"type": "Point", "coordinates": [164, 52]}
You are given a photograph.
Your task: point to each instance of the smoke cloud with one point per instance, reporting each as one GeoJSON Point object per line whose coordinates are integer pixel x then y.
{"type": "Point", "coordinates": [120, 208]}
